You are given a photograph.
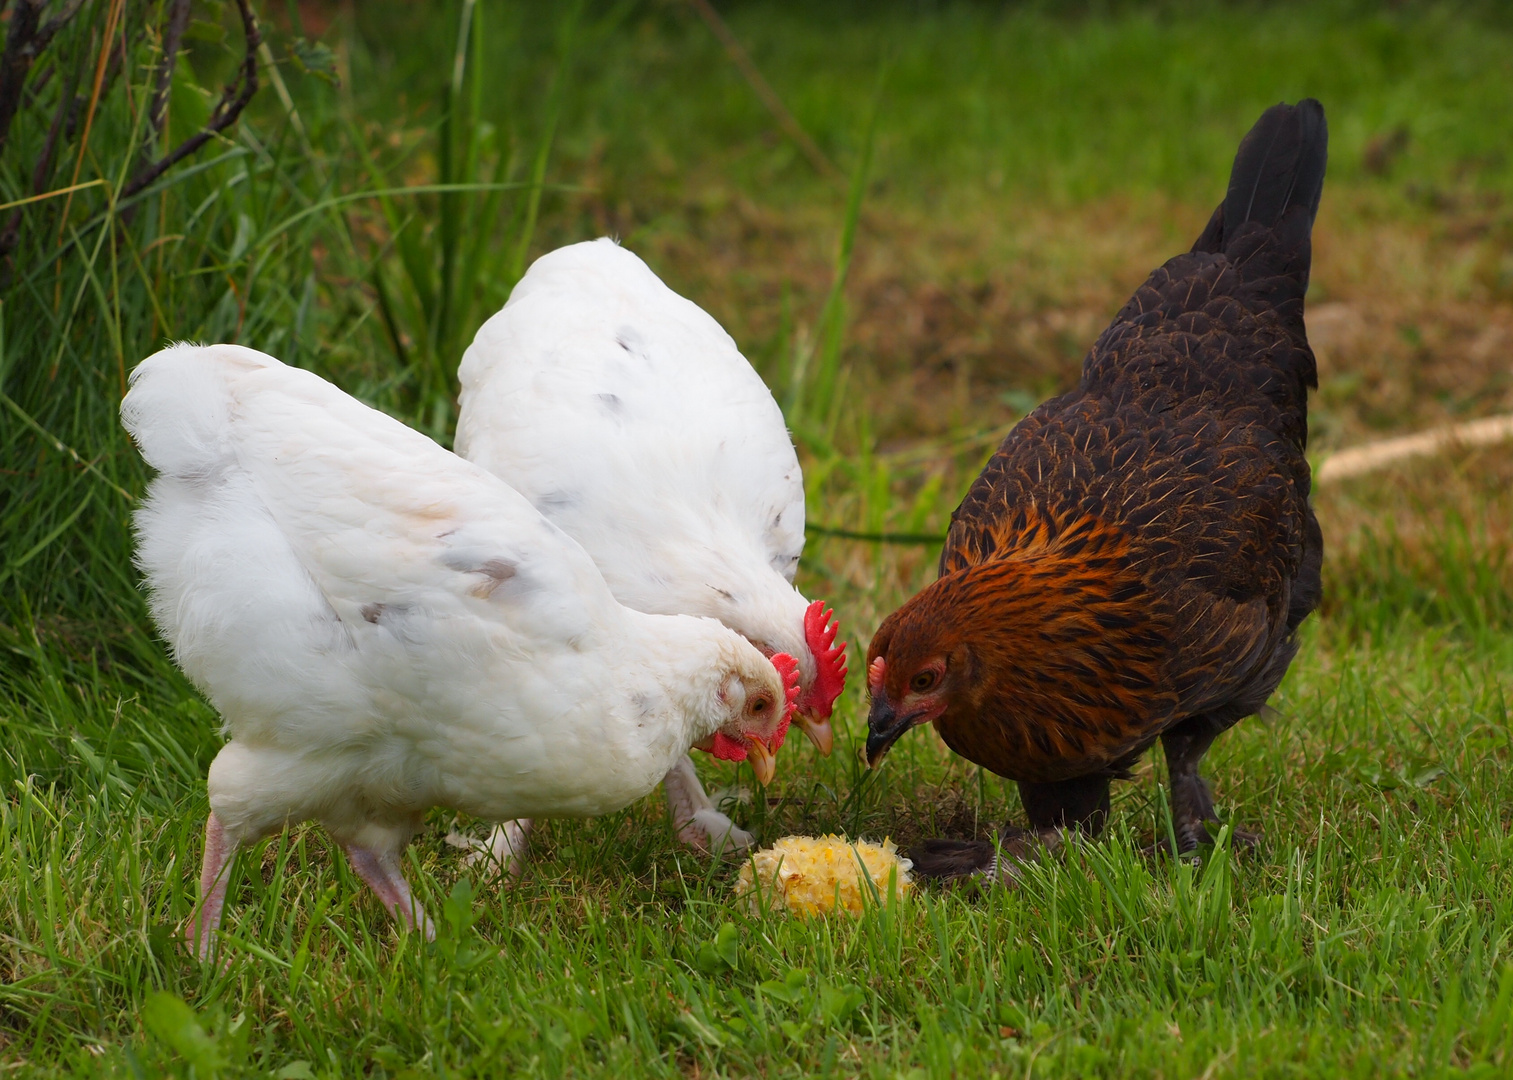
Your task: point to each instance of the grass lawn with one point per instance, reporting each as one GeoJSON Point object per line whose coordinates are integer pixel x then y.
{"type": "Point", "coordinates": [998, 182]}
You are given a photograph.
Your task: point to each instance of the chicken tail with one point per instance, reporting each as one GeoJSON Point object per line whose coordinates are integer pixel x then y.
{"type": "Point", "coordinates": [953, 858]}
{"type": "Point", "coordinates": [1277, 178]}
{"type": "Point", "coordinates": [178, 407]}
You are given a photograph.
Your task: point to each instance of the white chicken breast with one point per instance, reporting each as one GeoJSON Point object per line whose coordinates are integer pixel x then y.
{"type": "Point", "coordinates": [628, 417]}
{"type": "Point", "coordinates": [385, 627]}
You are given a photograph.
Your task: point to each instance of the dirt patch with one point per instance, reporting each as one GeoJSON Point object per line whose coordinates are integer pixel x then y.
{"type": "Point", "coordinates": [959, 316]}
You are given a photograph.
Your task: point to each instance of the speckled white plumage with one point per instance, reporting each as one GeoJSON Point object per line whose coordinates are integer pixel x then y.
{"type": "Point", "coordinates": [385, 627]}
{"type": "Point", "coordinates": [628, 416]}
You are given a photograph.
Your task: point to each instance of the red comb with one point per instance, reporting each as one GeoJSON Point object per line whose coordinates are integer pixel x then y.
{"type": "Point", "coordinates": [820, 627]}
{"type": "Point", "coordinates": [788, 671]}
{"type": "Point", "coordinates": [875, 675]}
{"type": "Point", "coordinates": [728, 749]}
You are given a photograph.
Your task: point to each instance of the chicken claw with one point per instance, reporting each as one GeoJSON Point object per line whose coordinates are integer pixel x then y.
{"type": "Point", "coordinates": [505, 849]}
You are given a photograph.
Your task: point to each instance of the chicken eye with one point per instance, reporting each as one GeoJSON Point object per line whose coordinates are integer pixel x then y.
{"type": "Point", "coordinates": [922, 682]}
{"type": "Point", "coordinates": [759, 706]}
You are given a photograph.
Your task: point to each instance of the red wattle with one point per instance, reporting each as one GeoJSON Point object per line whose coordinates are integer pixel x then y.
{"type": "Point", "coordinates": [727, 749]}
{"type": "Point", "coordinates": [820, 628]}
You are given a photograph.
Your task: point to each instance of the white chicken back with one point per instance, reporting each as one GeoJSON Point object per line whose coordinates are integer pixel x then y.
{"type": "Point", "coordinates": [627, 416]}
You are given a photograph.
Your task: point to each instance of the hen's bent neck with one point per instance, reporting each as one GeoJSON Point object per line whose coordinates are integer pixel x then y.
{"type": "Point", "coordinates": [725, 577]}
{"type": "Point", "coordinates": [1065, 648]}
{"type": "Point", "coordinates": [670, 674]}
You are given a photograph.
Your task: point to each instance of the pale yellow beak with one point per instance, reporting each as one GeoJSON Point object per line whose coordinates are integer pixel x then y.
{"type": "Point", "coordinates": [818, 731]}
{"type": "Point", "coordinates": [762, 761]}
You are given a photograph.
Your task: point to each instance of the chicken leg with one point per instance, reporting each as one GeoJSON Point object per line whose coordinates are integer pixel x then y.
{"type": "Point", "coordinates": [215, 871]}
{"type": "Point", "coordinates": [379, 867]}
{"type": "Point", "coordinates": [1080, 804]}
{"type": "Point", "coordinates": [698, 823]}
{"type": "Point", "coordinates": [1192, 804]}
{"type": "Point", "coordinates": [694, 816]}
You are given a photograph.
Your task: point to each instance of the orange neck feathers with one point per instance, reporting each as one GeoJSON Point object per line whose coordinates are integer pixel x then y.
{"type": "Point", "coordinates": [1055, 651]}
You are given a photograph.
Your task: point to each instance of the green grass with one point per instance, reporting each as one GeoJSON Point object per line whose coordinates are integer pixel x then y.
{"type": "Point", "coordinates": [365, 229]}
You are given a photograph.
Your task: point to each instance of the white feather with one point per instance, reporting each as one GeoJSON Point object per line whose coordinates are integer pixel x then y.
{"type": "Point", "coordinates": [385, 627]}
{"type": "Point", "coordinates": [628, 417]}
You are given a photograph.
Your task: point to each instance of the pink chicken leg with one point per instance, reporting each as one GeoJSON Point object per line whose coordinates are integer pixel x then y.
{"type": "Point", "coordinates": [378, 866]}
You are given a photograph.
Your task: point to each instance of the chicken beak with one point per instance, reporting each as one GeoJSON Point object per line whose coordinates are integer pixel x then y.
{"type": "Point", "coordinates": [884, 726]}
{"type": "Point", "coordinates": [818, 731]}
{"type": "Point", "coordinates": [762, 761]}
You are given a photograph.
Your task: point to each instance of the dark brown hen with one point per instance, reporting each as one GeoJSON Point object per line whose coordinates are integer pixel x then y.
{"type": "Point", "coordinates": [1135, 558]}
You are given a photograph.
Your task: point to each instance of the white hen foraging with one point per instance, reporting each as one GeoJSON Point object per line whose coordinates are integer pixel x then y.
{"type": "Point", "coordinates": [627, 416]}
{"type": "Point", "coordinates": [385, 627]}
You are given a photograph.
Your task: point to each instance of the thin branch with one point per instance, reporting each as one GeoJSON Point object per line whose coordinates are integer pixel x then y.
{"type": "Point", "coordinates": [111, 18]}
{"type": "Point", "coordinates": [876, 537]}
{"type": "Point", "coordinates": [173, 35]}
{"type": "Point", "coordinates": [233, 100]}
{"type": "Point", "coordinates": [786, 120]}
{"type": "Point", "coordinates": [1369, 457]}
{"type": "Point", "coordinates": [43, 172]}
{"type": "Point", "coordinates": [26, 37]}
{"type": "Point", "coordinates": [44, 168]}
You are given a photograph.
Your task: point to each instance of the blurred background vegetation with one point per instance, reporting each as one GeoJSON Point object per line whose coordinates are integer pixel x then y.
{"type": "Point", "coordinates": [914, 245]}
{"type": "Point", "coordinates": [1020, 167]}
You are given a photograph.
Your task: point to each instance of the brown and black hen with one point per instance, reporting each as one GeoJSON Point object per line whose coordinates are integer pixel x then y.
{"type": "Point", "coordinates": [1135, 558]}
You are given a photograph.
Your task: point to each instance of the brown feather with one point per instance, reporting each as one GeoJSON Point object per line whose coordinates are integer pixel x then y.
{"type": "Point", "coordinates": [1139, 552]}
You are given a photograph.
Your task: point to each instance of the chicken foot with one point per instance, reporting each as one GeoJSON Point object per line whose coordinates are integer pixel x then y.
{"type": "Point", "coordinates": [988, 862]}
{"type": "Point", "coordinates": [698, 823]}
{"type": "Point", "coordinates": [1055, 809]}
{"type": "Point", "coordinates": [1080, 805]}
{"type": "Point", "coordinates": [506, 847]}
{"type": "Point", "coordinates": [379, 867]}
{"type": "Point", "coordinates": [1192, 803]}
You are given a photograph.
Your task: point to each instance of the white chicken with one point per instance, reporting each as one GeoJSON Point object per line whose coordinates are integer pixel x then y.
{"type": "Point", "coordinates": [385, 627]}
{"type": "Point", "coordinates": [627, 416]}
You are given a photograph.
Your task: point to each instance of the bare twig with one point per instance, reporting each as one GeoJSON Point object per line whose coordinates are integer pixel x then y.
{"type": "Point", "coordinates": [66, 103]}
{"type": "Point", "coordinates": [43, 171]}
{"type": "Point", "coordinates": [875, 537]}
{"type": "Point", "coordinates": [26, 37]}
{"type": "Point", "coordinates": [173, 35]}
{"type": "Point", "coordinates": [234, 99]}
{"type": "Point", "coordinates": [1368, 458]}
{"type": "Point", "coordinates": [742, 60]}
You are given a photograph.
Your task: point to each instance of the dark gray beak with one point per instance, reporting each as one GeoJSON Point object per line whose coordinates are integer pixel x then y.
{"type": "Point", "coordinates": [884, 726]}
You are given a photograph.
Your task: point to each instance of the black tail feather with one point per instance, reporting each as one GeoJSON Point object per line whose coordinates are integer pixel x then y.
{"type": "Point", "coordinates": [1279, 166]}
{"type": "Point", "coordinates": [952, 858]}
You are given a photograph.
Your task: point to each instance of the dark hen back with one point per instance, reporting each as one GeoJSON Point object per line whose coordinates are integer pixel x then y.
{"type": "Point", "coordinates": [1184, 442]}
{"type": "Point", "coordinates": [1222, 326]}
